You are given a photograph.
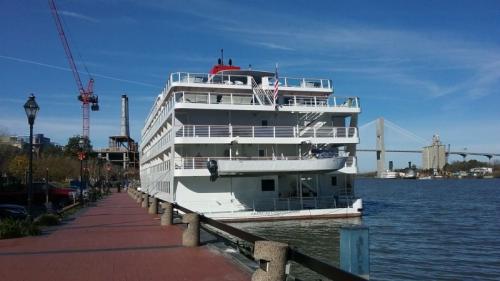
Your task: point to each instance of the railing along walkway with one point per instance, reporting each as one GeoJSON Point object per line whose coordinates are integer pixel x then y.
{"type": "Point", "coordinates": [271, 256]}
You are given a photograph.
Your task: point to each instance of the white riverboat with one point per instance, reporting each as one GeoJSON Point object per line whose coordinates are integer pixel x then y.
{"type": "Point", "coordinates": [220, 144]}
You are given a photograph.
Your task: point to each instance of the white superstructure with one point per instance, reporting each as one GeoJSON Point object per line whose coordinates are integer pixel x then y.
{"type": "Point", "coordinates": [293, 158]}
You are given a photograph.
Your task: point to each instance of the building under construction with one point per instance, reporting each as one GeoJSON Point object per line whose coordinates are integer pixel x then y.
{"type": "Point", "coordinates": [122, 150]}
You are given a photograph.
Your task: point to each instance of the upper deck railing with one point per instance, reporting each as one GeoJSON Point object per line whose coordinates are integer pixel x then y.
{"type": "Point", "coordinates": [303, 82]}
{"type": "Point", "coordinates": [249, 99]}
{"type": "Point", "coordinates": [229, 79]}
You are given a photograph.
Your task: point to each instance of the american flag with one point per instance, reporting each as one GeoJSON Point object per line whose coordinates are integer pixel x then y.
{"type": "Point", "coordinates": [276, 85]}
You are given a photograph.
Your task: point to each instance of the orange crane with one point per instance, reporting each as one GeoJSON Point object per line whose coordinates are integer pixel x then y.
{"type": "Point", "coordinates": [86, 95]}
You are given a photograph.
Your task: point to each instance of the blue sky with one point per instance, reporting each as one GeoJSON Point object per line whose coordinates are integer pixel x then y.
{"type": "Point", "coordinates": [427, 66]}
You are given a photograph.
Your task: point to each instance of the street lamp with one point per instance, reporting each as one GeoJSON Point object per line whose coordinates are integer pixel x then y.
{"type": "Point", "coordinates": [47, 187]}
{"type": "Point", "coordinates": [31, 108]}
{"type": "Point", "coordinates": [81, 156]}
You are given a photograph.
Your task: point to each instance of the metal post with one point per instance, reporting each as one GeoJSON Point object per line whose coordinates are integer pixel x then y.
{"type": "Point", "coordinates": [300, 191]}
{"type": "Point", "coordinates": [81, 180]}
{"type": "Point", "coordinates": [47, 187]}
{"type": "Point", "coordinates": [30, 172]}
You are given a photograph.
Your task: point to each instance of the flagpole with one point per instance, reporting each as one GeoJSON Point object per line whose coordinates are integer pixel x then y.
{"type": "Point", "coordinates": [276, 87]}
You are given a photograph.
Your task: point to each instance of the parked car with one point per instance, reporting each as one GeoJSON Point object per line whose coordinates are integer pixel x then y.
{"type": "Point", "coordinates": [13, 211]}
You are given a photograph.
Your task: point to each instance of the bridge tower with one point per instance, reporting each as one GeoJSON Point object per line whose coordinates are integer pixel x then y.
{"type": "Point", "coordinates": [380, 147]}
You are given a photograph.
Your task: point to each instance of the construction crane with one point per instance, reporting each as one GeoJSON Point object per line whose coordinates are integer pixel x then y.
{"type": "Point", "coordinates": [86, 95]}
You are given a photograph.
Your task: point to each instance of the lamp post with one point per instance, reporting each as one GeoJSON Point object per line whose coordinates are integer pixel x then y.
{"type": "Point", "coordinates": [81, 156]}
{"type": "Point", "coordinates": [108, 168]}
{"type": "Point", "coordinates": [31, 108]}
{"type": "Point", "coordinates": [47, 187]}
{"type": "Point", "coordinates": [99, 179]}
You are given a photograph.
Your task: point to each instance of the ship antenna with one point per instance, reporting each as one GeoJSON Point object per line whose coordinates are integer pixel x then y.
{"type": "Point", "coordinates": [222, 55]}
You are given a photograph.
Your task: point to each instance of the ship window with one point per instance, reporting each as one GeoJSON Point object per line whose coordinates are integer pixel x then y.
{"type": "Point", "coordinates": [262, 153]}
{"type": "Point", "coordinates": [267, 185]}
{"type": "Point", "coordinates": [264, 122]}
{"type": "Point", "coordinates": [334, 181]}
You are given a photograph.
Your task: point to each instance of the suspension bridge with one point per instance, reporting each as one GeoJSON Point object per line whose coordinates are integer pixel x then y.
{"type": "Point", "coordinates": [430, 150]}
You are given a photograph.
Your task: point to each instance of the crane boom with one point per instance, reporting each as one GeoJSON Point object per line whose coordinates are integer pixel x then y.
{"type": "Point", "coordinates": [85, 95]}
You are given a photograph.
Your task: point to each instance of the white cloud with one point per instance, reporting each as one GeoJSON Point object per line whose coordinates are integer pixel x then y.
{"type": "Point", "coordinates": [78, 16]}
{"type": "Point", "coordinates": [271, 45]}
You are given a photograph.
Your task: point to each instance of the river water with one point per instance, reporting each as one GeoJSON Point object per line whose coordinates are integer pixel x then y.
{"type": "Point", "coordinates": [419, 230]}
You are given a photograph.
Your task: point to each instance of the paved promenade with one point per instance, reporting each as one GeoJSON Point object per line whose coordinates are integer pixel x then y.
{"type": "Point", "coordinates": [116, 240]}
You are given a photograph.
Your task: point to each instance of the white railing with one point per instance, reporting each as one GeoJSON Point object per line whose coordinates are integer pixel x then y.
{"type": "Point", "coordinates": [229, 79]}
{"type": "Point", "coordinates": [205, 78]}
{"type": "Point", "coordinates": [249, 99]}
{"type": "Point", "coordinates": [264, 96]}
{"type": "Point", "coordinates": [263, 204]}
{"type": "Point", "coordinates": [303, 82]}
{"type": "Point", "coordinates": [159, 146]}
{"type": "Point", "coordinates": [157, 122]}
{"type": "Point", "coordinates": [217, 131]}
{"type": "Point", "coordinates": [156, 168]}
{"type": "Point", "coordinates": [195, 163]}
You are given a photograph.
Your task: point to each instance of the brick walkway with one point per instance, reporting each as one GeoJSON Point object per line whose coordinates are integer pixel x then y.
{"type": "Point", "coordinates": [117, 240]}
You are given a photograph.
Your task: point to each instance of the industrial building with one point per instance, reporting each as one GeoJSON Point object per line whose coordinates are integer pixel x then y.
{"type": "Point", "coordinates": [122, 149]}
{"type": "Point", "coordinates": [434, 156]}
